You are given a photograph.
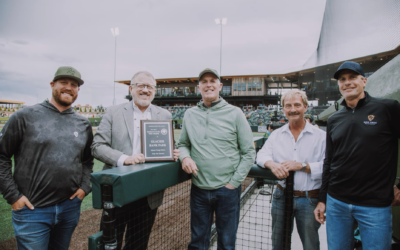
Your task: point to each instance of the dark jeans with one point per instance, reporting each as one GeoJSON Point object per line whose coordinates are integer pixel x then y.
{"type": "Point", "coordinates": [303, 212]}
{"type": "Point", "coordinates": [226, 205]}
{"type": "Point", "coordinates": [138, 219]}
{"type": "Point", "coordinates": [46, 227]}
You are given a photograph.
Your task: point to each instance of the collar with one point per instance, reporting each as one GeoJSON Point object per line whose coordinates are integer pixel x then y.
{"type": "Point", "coordinates": [135, 107]}
{"type": "Point", "coordinates": [360, 103]}
{"type": "Point", "coordinates": [307, 128]}
{"type": "Point", "coordinates": [212, 103]}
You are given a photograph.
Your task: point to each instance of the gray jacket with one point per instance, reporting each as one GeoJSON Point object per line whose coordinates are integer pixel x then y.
{"type": "Point", "coordinates": [114, 137]}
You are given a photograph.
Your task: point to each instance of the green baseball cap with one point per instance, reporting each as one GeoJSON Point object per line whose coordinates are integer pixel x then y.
{"type": "Point", "coordinates": [69, 72]}
{"type": "Point", "coordinates": [208, 70]}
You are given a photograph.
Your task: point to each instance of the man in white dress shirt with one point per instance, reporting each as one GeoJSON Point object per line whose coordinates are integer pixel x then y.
{"type": "Point", "coordinates": [297, 146]}
{"type": "Point", "coordinates": [117, 143]}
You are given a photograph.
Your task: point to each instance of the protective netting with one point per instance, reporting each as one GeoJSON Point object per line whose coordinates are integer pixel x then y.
{"type": "Point", "coordinates": [168, 226]}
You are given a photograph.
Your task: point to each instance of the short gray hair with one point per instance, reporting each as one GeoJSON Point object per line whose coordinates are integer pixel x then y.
{"type": "Point", "coordinates": [144, 73]}
{"type": "Point", "coordinates": [291, 93]}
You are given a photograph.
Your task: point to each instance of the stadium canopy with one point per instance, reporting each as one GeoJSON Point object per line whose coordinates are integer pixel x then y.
{"type": "Point", "coordinates": [10, 102]}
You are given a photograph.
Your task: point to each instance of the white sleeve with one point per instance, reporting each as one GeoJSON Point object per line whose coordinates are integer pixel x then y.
{"type": "Point", "coordinates": [121, 160]}
{"type": "Point", "coordinates": [317, 167]}
{"type": "Point", "coordinates": [265, 154]}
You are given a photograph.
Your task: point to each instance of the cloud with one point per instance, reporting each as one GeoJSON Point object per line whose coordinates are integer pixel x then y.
{"type": "Point", "coordinates": [64, 60]}
{"type": "Point", "coordinates": [21, 42]}
{"type": "Point", "coordinates": [170, 38]}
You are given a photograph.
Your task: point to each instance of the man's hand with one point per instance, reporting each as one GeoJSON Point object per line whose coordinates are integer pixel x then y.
{"type": "Point", "coordinates": [279, 170]}
{"type": "Point", "coordinates": [21, 202]}
{"type": "Point", "coordinates": [396, 200]}
{"type": "Point", "coordinates": [292, 165]}
{"type": "Point", "coordinates": [319, 212]}
{"type": "Point", "coordinates": [176, 154]}
{"type": "Point", "coordinates": [229, 186]}
{"type": "Point", "coordinates": [80, 193]}
{"type": "Point", "coordinates": [189, 166]}
{"type": "Point", "coordinates": [134, 159]}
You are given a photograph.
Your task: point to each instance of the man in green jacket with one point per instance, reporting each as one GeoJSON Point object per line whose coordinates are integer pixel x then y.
{"type": "Point", "coordinates": [216, 145]}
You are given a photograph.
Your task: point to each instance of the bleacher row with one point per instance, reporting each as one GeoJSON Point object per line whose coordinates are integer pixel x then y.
{"type": "Point", "coordinates": [259, 117]}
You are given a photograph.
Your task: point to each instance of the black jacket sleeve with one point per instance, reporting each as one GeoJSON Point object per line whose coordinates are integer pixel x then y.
{"type": "Point", "coordinates": [10, 139]}
{"type": "Point", "coordinates": [395, 122]}
{"type": "Point", "coordinates": [87, 163]}
{"type": "Point", "coordinates": [327, 165]}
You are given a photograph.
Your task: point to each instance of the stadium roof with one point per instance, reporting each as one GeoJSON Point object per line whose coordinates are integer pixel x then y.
{"type": "Point", "coordinates": [354, 29]}
{"type": "Point", "coordinates": [10, 102]}
{"type": "Point", "coordinates": [364, 33]}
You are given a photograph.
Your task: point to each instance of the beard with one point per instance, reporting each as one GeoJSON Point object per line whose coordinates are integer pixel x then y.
{"type": "Point", "coordinates": [140, 102]}
{"type": "Point", "coordinates": [63, 101]}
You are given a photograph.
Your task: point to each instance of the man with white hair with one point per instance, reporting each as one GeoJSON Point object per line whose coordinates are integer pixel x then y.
{"type": "Point", "coordinates": [117, 143]}
{"type": "Point", "coordinates": [298, 146]}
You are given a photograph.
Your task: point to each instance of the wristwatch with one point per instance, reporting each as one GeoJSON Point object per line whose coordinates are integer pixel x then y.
{"type": "Point", "coordinates": [304, 165]}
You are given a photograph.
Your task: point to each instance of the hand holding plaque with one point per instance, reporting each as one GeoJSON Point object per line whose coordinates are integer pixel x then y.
{"type": "Point", "coordinates": [157, 140]}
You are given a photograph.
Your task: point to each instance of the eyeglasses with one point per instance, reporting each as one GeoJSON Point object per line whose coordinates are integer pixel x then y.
{"type": "Point", "coordinates": [144, 85]}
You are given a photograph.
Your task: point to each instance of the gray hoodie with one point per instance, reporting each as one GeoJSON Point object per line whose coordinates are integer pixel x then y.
{"type": "Point", "coordinates": [52, 157]}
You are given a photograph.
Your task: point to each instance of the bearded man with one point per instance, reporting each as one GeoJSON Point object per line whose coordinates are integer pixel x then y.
{"type": "Point", "coordinates": [52, 166]}
{"type": "Point", "coordinates": [117, 143]}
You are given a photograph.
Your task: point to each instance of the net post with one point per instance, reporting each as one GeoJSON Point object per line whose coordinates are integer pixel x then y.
{"type": "Point", "coordinates": [109, 237]}
{"type": "Point", "coordinates": [288, 222]}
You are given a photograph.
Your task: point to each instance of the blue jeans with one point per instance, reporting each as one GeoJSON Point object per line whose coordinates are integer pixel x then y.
{"type": "Point", "coordinates": [375, 224]}
{"type": "Point", "coordinates": [47, 227]}
{"type": "Point", "coordinates": [303, 211]}
{"type": "Point", "coordinates": [226, 205]}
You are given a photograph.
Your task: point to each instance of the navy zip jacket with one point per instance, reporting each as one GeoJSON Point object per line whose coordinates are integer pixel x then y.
{"type": "Point", "coordinates": [52, 157]}
{"type": "Point", "coordinates": [361, 153]}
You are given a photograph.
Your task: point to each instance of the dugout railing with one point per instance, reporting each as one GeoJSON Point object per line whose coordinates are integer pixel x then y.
{"type": "Point", "coordinates": [118, 187]}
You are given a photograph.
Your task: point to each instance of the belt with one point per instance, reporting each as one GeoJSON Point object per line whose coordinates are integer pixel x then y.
{"type": "Point", "coordinates": [311, 193]}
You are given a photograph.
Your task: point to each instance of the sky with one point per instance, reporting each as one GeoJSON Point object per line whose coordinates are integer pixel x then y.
{"type": "Point", "coordinates": [169, 38]}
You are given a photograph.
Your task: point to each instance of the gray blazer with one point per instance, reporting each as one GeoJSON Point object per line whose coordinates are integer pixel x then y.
{"type": "Point", "coordinates": [114, 137]}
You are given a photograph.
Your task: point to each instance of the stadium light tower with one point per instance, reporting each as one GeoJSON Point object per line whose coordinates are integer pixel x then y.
{"type": "Point", "coordinates": [115, 33]}
{"type": "Point", "coordinates": [221, 22]}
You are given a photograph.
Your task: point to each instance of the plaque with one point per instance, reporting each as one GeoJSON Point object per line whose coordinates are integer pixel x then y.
{"type": "Point", "coordinates": [157, 140]}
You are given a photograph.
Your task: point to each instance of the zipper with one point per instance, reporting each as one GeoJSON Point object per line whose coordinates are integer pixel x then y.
{"type": "Point", "coordinates": [206, 134]}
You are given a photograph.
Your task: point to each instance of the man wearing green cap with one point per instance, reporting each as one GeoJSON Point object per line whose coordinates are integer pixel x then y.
{"type": "Point", "coordinates": [52, 166]}
{"type": "Point", "coordinates": [216, 145]}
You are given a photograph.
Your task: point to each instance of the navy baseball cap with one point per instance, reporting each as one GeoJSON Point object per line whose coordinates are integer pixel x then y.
{"type": "Point", "coordinates": [351, 66]}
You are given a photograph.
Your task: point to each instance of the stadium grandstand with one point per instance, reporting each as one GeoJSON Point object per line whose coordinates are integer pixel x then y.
{"type": "Point", "coordinates": [11, 104]}
{"type": "Point", "coordinates": [259, 96]}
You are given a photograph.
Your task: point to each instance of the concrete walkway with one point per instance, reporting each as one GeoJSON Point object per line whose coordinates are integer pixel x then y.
{"type": "Point", "coordinates": [255, 229]}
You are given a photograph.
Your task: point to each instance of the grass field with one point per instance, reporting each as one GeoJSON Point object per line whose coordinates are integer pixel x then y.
{"type": "Point", "coordinates": [6, 228]}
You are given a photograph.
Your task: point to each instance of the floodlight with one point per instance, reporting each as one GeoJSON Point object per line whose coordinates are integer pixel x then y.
{"type": "Point", "coordinates": [224, 21]}
{"type": "Point", "coordinates": [115, 31]}
{"type": "Point", "coordinates": [217, 21]}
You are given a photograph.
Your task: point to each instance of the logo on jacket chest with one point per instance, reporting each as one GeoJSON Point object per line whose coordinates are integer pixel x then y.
{"type": "Point", "coordinates": [370, 120]}
{"type": "Point", "coordinates": [76, 134]}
